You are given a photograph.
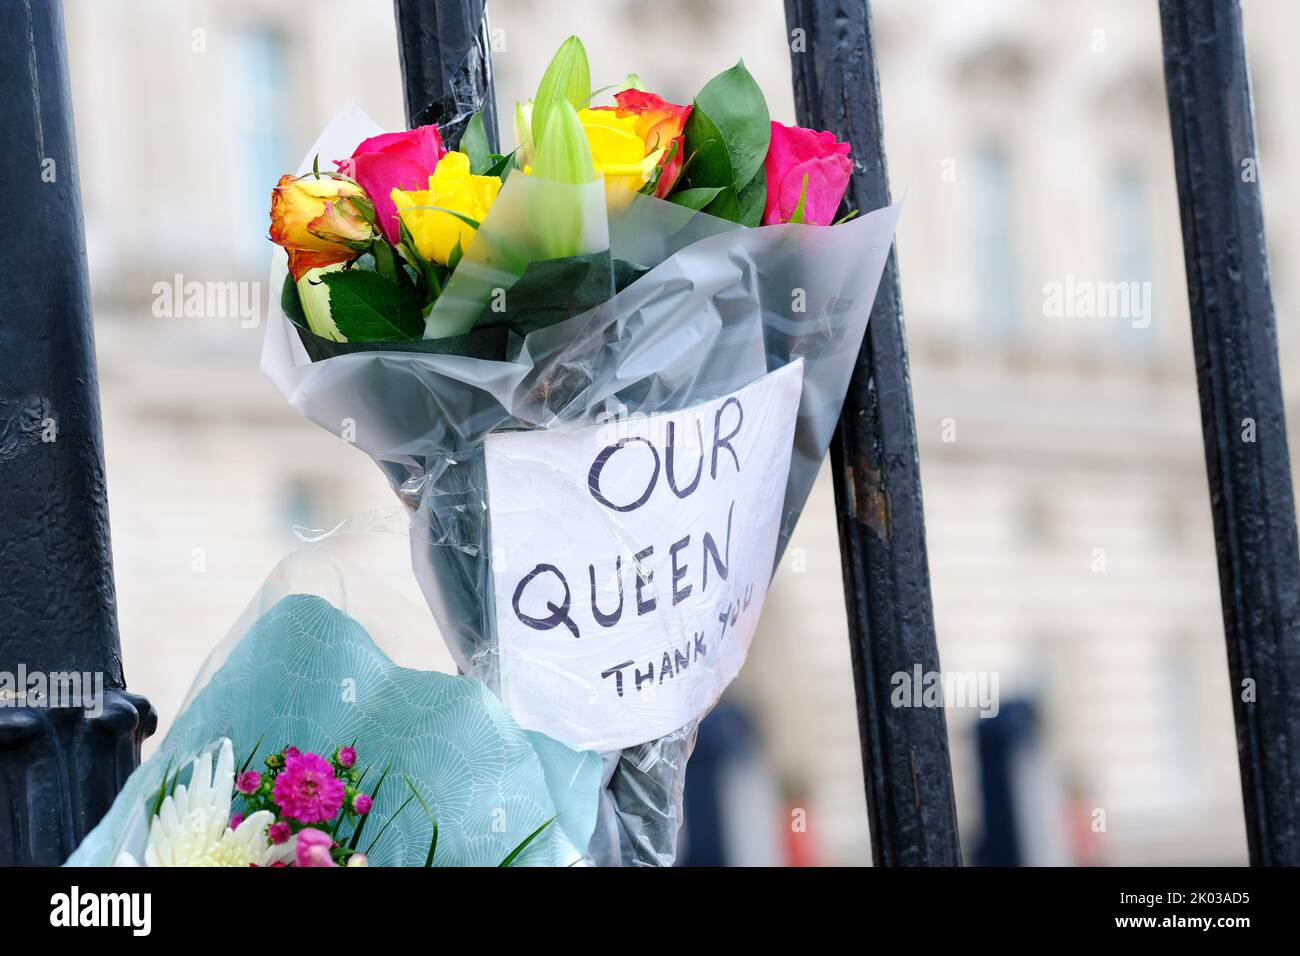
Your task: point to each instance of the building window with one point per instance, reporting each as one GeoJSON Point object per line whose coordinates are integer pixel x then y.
{"type": "Point", "coordinates": [1130, 255]}
{"type": "Point", "coordinates": [259, 90]}
{"type": "Point", "coordinates": [994, 261]}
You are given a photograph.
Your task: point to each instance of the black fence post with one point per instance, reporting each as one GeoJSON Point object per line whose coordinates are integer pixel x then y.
{"type": "Point", "coordinates": [446, 56]}
{"type": "Point", "coordinates": [65, 747]}
{"type": "Point", "coordinates": [877, 474]}
{"type": "Point", "coordinates": [1242, 411]}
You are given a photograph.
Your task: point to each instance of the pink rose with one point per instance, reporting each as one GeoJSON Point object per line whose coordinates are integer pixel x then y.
{"type": "Point", "coordinates": [796, 152]}
{"type": "Point", "coordinates": [393, 161]}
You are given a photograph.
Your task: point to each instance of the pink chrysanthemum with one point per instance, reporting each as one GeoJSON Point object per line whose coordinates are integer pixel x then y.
{"type": "Point", "coordinates": [279, 833]}
{"type": "Point", "coordinates": [248, 782]}
{"type": "Point", "coordinates": [362, 803]}
{"type": "Point", "coordinates": [235, 820]}
{"type": "Point", "coordinates": [291, 751]}
{"type": "Point", "coordinates": [347, 756]}
{"type": "Point", "coordinates": [307, 790]}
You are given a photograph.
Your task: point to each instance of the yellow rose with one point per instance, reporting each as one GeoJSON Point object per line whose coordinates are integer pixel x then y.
{"type": "Point", "coordinates": [619, 152]}
{"type": "Point", "coordinates": [302, 207]}
{"type": "Point", "coordinates": [451, 187]}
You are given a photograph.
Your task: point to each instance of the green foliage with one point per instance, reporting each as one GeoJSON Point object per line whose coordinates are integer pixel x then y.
{"type": "Point", "coordinates": [433, 841]}
{"type": "Point", "coordinates": [514, 854]}
{"type": "Point", "coordinates": [697, 197]}
{"type": "Point", "coordinates": [485, 343]}
{"type": "Point", "coordinates": [502, 166]}
{"type": "Point", "coordinates": [727, 136]}
{"type": "Point", "coordinates": [551, 291]}
{"type": "Point", "coordinates": [366, 307]}
{"type": "Point", "coordinates": [798, 212]}
{"type": "Point", "coordinates": [374, 795]}
{"type": "Point", "coordinates": [474, 144]}
{"type": "Point", "coordinates": [290, 304]}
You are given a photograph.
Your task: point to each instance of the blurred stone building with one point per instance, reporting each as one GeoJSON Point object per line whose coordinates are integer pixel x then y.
{"type": "Point", "coordinates": [1069, 535]}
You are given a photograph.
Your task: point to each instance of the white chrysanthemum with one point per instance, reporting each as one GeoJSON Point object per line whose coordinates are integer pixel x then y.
{"type": "Point", "coordinates": [192, 827]}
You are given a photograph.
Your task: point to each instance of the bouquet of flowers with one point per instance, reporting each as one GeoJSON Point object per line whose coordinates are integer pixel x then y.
{"type": "Point", "coordinates": [303, 810]}
{"type": "Point", "coordinates": [193, 825]}
{"type": "Point", "coordinates": [450, 779]}
{"type": "Point", "coordinates": [601, 372]}
{"type": "Point", "coordinates": [372, 251]}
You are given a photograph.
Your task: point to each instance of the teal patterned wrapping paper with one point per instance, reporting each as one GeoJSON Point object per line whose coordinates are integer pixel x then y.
{"type": "Point", "coordinates": [308, 674]}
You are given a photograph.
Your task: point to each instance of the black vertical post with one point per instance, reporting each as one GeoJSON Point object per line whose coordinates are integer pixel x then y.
{"type": "Point", "coordinates": [877, 474]}
{"type": "Point", "coordinates": [69, 733]}
{"type": "Point", "coordinates": [1242, 417]}
{"type": "Point", "coordinates": [446, 57]}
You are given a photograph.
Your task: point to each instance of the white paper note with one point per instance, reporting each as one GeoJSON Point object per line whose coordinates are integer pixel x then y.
{"type": "Point", "coordinates": [631, 560]}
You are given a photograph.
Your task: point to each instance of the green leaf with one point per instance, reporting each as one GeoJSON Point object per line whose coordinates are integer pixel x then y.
{"type": "Point", "coordinates": [708, 160]}
{"type": "Point", "coordinates": [366, 307]}
{"type": "Point", "coordinates": [162, 791]}
{"type": "Point", "coordinates": [752, 199]}
{"type": "Point", "coordinates": [474, 144]}
{"type": "Point", "coordinates": [374, 795]}
{"type": "Point", "coordinates": [514, 854]}
{"type": "Point", "coordinates": [428, 270]}
{"type": "Point", "coordinates": [290, 304]}
{"type": "Point", "coordinates": [595, 93]}
{"type": "Point", "coordinates": [695, 198]}
{"type": "Point", "coordinates": [726, 206]}
{"type": "Point", "coordinates": [467, 220]}
{"type": "Point", "coordinates": [388, 823]}
{"type": "Point", "coordinates": [386, 261]}
{"type": "Point", "coordinates": [797, 214]}
{"type": "Point", "coordinates": [314, 302]}
{"type": "Point", "coordinates": [552, 290]}
{"type": "Point", "coordinates": [433, 843]}
{"type": "Point", "coordinates": [502, 166]}
{"type": "Point", "coordinates": [251, 754]}
{"type": "Point", "coordinates": [731, 108]}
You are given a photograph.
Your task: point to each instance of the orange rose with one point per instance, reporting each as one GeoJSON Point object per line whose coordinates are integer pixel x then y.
{"type": "Point", "coordinates": [659, 124]}
{"type": "Point", "coordinates": [319, 221]}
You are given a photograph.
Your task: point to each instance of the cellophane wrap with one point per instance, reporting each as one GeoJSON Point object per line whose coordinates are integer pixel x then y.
{"type": "Point", "coordinates": [715, 315]}
{"type": "Point", "coordinates": [322, 658]}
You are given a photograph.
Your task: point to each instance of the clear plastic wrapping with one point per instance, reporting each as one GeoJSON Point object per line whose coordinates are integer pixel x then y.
{"type": "Point", "coordinates": [711, 318]}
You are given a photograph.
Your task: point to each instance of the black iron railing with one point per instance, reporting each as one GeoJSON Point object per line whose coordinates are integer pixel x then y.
{"type": "Point", "coordinates": [62, 766]}
{"type": "Point", "coordinates": [1242, 409]}
{"type": "Point", "coordinates": [63, 758]}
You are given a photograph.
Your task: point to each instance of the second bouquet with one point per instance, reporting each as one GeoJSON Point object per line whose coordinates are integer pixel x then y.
{"type": "Point", "coordinates": [601, 371]}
